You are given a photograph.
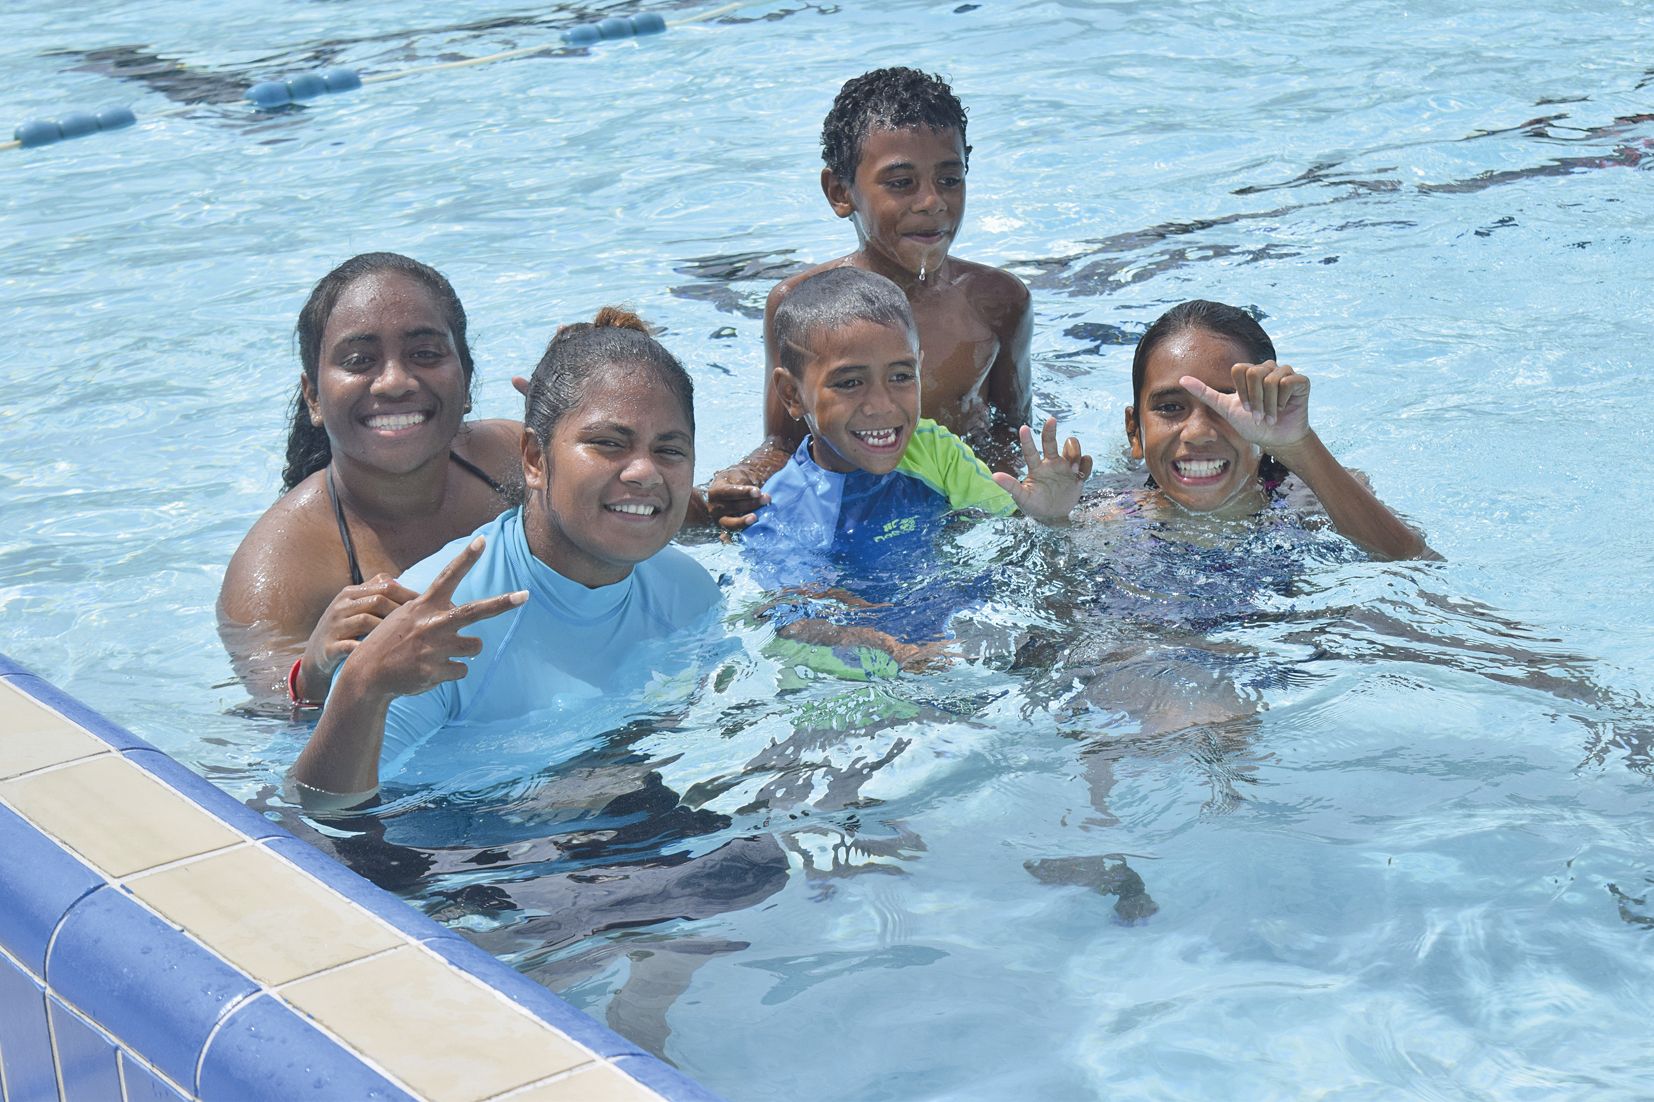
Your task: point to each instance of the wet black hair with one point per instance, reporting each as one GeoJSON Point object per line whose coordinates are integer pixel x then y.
{"type": "Point", "coordinates": [833, 299]}
{"type": "Point", "coordinates": [579, 352]}
{"type": "Point", "coordinates": [308, 449]}
{"type": "Point", "coordinates": [1238, 327]}
{"type": "Point", "coordinates": [886, 99]}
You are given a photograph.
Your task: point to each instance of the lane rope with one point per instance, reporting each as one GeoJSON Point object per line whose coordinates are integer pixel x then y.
{"type": "Point", "coordinates": [270, 95]}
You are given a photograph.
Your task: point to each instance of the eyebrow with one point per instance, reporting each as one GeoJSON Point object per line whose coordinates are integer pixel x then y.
{"type": "Point", "coordinates": [909, 166]}
{"type": "Point", "coordinates": [407, 334]}
{"type": "Point", "coordinates": [1177, 391]}
{"type": "Point", "coordinates": [615, 428]}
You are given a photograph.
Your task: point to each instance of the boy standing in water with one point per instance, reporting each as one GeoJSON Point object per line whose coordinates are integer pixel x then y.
{"type": "Point", "coordinates": [856, 507]}
{"type": "Point", "coordinates": [896, 158]}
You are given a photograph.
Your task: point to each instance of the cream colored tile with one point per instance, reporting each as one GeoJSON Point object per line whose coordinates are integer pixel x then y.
{"type": "Point", "coordinates": [598, 1083]}
{"type": "Point", "coordinates": [439, 1031]}
{"type": "Point", "coordinates": [263, 915]}
{"type": "Point", "coordinates": [115, 815]}
{"type": "Point", "coordinates": [33, 736]}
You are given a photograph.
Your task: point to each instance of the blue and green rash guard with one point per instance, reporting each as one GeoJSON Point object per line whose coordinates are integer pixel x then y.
{"type": "Point", "coordinates": [557, 671]}
{"type": "Point", "coordinates": [874, 534]}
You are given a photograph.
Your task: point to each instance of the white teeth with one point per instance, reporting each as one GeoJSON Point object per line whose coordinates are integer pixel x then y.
{"type": "Point", "coordinates": [879, 438]}
{"type": "Point", "coordinates": [636, 510]}
{"type": "Point", "coordinates": [1200, 468]}
{"type": "Point", "coordinates": [397, 420]}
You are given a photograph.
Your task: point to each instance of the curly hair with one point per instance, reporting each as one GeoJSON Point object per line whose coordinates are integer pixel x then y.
{"type": "Point", "coordinates": [886, 99]}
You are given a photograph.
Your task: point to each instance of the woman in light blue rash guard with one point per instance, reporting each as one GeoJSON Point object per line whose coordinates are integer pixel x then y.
{"type": "Point", "coordinates": [575, 598]}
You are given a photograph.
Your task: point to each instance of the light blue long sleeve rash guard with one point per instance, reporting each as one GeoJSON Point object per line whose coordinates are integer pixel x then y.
{"type": "Point", "coordinates": [562, 668]}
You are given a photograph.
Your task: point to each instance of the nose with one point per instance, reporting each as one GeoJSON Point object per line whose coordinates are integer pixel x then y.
{"type": "Point", "coordinates": [928, 198]}
{"type": "Point", "coordinates": [642, 471]}
{"type": "Point", "coordinates": [393, 380]}
{"type": "Point", "coordinates": [876, 398]}
{"type": "Point", "coordinates": [1201, 426]}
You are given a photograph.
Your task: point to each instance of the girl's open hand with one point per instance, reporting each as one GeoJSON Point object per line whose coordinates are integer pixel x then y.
{"type": "Point", "coordinates": [1270, 405]}
{"type": "Point", "coordinates": [1055, 479]}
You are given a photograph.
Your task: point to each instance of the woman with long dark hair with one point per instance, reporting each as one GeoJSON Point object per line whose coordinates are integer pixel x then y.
{"type": "Point", "coordinates": [382, 469]}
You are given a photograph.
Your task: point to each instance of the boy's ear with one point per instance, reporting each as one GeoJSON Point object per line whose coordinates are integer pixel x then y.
{"type": "Point", "coordinates": [1133, 433]}
{"type": "Point", "coordinates": [535, 474]}
{"type": "Point", "coordinates": [838, 194]}
{"type": "Point", "coordinates": [787, 388]}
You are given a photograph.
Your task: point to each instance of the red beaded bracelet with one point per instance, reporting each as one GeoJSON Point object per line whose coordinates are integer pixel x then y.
{"type": "Point", "coordinates": [293, 687]}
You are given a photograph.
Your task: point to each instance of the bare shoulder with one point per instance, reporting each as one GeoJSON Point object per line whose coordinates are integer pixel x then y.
{"type": "Point", "coordinates": [493, 444]}
{"type": "Point", "coordinates": [784, 288]}
{"type": "Point", "coordinates": [999, 296]}
{"type": "Point", "coordinates": [280, 572]}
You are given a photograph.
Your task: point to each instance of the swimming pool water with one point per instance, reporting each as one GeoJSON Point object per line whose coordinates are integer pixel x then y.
{"type": "Point", "coordinates": [1393, 880]}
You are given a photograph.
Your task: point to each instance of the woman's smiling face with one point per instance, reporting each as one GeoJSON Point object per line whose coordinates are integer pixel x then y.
{"type": "Point", "coordinates": [390, 389]}
{"type": "Point", "coordinates": [1195, 456]}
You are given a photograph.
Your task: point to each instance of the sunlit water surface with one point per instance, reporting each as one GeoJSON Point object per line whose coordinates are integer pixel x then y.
{"type": "Point", "coordinates": [1402, 850]}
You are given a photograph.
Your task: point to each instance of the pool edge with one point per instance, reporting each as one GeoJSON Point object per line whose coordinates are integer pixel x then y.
{"type": "Point", "coordinates": [133, 966]}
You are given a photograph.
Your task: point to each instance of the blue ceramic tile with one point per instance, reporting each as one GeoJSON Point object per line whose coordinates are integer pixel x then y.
{"type": "Point", "coordinates": [218, 803]}
{"type": "Point", "coordinates": [532, 997]}
{"type": "Point", "coordinates": [665, 1080]}
{"type": "Point", "coordinates": [143, 1085]}
{"type": "Point", "coordinates": [58, 700]}
{"type": "Point", "coordinates": [157, 991]}
{"type": "Point", "coordinates": [374, 899]}
{"type": "Point", "coordinates": [8, 665]}
{"type": "Point", "coordinates": [38, 884]}
{"type": "Point", "coordinates": [267, 1053]}
{"type": "Point", "coordinates": [24, 1041]}
{"type": "Point", "coordinates": [85, 1057]}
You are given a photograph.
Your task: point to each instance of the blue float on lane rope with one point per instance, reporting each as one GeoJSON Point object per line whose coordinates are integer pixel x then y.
{"type": "Point", "coordinates": [614, 29]}
{"type": "Point", "coordinates": [76, 124]}
{"type": "Point", "coordinates": [279, 93]}
{"type": "Point", "coordinates": [271, 94]}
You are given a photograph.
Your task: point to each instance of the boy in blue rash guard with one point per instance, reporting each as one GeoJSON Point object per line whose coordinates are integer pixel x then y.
{"type": "Point", "coordinates": [595, 604]}
{"type": "Point", "coordinates": [866, 492]}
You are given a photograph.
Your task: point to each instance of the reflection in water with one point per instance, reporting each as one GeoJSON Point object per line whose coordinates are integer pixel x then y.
{"type": "Point", "coordinates": [1107, 874]}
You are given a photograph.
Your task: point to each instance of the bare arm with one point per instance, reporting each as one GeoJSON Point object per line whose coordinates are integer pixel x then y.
{"type": "Point", "coordinates": [1009, 386]}
{"type": "Point", "coordinates": [277, 606]}
{"type": "Point", "coordinates": [267, 605]}
{"type": "Point", "coordinates": [413, 650]}
{"type": "Point", "coordinates": [1270, 408]}
{"type": "Point", "coordinates": [1354, 510]}
{"type": "Point", "coordinates": [735, 493]}
{"type": "Point", "coordinates": [912, 657]}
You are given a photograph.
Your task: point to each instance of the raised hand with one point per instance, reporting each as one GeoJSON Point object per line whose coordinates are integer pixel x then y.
{"type": "Point", "coordinates": [413, 649]}
{"type": "Point", "coordinates": [351, 616]}
{"type": "Point", "coordinates": [1055, 478]}
{"type": "Point", "coordinates": [416, 647]}
{"type": "Point", "coordinates": [1269, 408]}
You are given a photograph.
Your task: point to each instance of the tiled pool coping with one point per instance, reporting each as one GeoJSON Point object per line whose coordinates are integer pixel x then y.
{"type": "Point", "coordinates": [159, 941]}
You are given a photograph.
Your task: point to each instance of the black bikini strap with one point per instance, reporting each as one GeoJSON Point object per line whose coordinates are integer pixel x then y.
{"type": "Point", "coordinates": [344, 529]}
{"type": "Point", "coordinates": [466, 465]}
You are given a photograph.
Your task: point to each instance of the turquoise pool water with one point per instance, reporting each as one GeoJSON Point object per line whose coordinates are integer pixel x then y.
{"type": "Point", "coordinates": [1415, 872]}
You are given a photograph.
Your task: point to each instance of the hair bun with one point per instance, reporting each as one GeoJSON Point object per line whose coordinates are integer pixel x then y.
{"type": "Point", "coordinates": [613, 317]}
